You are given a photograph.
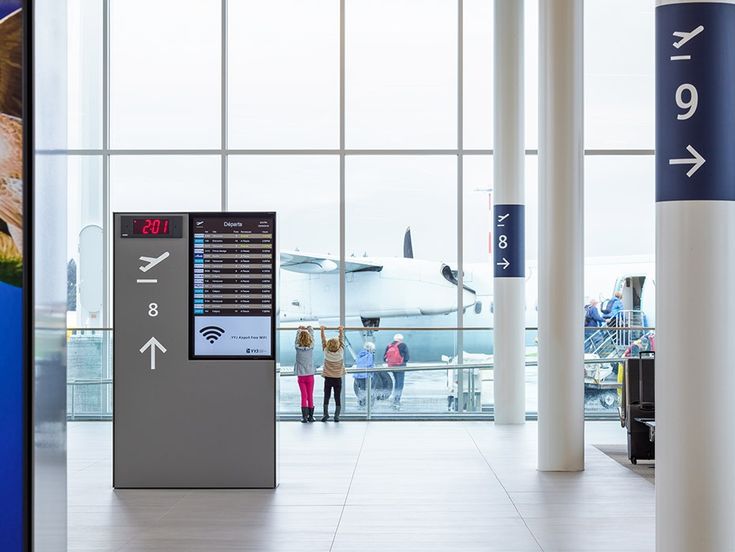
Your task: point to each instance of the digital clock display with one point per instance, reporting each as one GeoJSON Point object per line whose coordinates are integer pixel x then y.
{"type": "Point", "coordinates": [152, 226]}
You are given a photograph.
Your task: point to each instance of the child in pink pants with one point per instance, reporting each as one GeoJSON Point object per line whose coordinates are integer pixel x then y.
{"type": "Point", "coordinates": [304, 368]}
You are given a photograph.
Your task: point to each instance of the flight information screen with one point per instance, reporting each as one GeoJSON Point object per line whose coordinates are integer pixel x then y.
{"type": "Point", "coordinates": [232, 285]}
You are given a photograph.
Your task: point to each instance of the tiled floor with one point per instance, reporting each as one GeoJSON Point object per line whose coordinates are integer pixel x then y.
{"type": "Point", "coordinates": [381, 486]}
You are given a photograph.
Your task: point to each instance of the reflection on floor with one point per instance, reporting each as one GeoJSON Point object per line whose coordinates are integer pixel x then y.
{"type": "Point", "coordinates": [619, 453]}
{"type": "Point", "coordinates": [380, 486]}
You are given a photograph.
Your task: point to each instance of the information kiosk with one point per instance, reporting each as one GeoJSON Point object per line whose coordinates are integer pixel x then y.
{"type": "Point", "coordinates": [195, 382]}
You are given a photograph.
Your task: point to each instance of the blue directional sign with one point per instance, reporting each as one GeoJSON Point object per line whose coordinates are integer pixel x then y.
{"type": "Point", "coordinates": [695, 109]}
{"type": "Point", "coordinates": [509, 245]}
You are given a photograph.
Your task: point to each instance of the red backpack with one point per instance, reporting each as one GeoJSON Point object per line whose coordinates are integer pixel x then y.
{"type": "Point", "coordinates": [393, 355]}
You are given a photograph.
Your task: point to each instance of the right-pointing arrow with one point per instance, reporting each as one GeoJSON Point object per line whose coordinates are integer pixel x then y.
{"type": "Point", "coordinates": [505, 264]}
{"type": "Point", "coordinates": [696, 161]}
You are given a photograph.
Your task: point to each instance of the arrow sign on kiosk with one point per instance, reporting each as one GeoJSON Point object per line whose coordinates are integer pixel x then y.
{"type": "Point", "coordinates": [151, 344]}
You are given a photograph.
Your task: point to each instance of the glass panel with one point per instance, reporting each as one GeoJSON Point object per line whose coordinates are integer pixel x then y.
{"type": "Point", "coordinates": [478, 74]}
{"type": "Point", "coordinates": [304, 192]}
{"type": "Point", "coordinates": [48, 343]}
{"type": "Point", "coordinates": [477, 226]}
{"type": "Point", "coordinates": [165, 77]}
{"type": "Point", "coordinates": [401, 391]}
{"type": "Point", "coordinates": [50, 77]}
{"type": "Point", "coordinates": [620, 217]}
{"type": "Point", "coordinates": [478, 269]}
{"type": "Point", "coordinates": [619, 256]}
{"type": "Point", "coordinates": [401, 71]}
{"type": "Point", "coordinates": [89, 375]}
{"type": "Point", "coordinates": [532, 371]}
{"type": "Point", "coordinates": [477, 221]}
{"type": "Point", "coordinates": [302, 189]}
{"type": "Point", "coordinates": [397, 279]}
{"type": "Point", "coordinates": [283, 74]}
{"type": "Point", "coordinates": [165, 183]}
{"type": "Point", "coordinates": [85, 242]}
{"type": "Point", "coordinates": [531, 74]}
{"type": "Point", "coordinates": [619, 74]}
{"type": "Point", "coordinates": [84, 30]}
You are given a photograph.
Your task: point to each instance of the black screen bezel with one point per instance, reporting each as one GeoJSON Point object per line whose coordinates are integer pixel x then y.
{"type": "Point", "coordinates": [219, 215]}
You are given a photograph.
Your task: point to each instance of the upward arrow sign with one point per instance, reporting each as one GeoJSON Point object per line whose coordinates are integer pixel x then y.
{"type": "Point", "coordinates": [152, 344]}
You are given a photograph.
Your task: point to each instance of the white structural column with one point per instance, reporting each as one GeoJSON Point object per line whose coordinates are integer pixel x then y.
{"type": "Point", "coordinates": [561, 267]}
{"type": "Point", "coordinates": [695, 271]}
{"type": "Point", "coordinates": [508, 215]}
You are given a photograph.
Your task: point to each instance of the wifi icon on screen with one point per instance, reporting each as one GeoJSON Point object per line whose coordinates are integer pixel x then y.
{"type": "Point", "coordinates": [212, 333]}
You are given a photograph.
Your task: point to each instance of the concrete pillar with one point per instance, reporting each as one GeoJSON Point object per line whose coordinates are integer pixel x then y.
{"type": "Point", "coordinates": [561, 268]}
{"type": "Point", "coordinates": [695, 271]}
{"type": "Point", "coordinates": [509, 215]}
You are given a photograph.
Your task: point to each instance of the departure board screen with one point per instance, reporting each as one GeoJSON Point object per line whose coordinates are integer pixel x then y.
{"type": "Point", "coordinates": [232, 285]}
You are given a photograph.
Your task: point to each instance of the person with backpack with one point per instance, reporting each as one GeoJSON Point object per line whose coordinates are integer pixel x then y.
{"type": "Point", "coordinates": [396, 354]}
{"type": "Point", "coordinates": [614, 306]}
{"type": "Point", "coordinates": [366, 360]}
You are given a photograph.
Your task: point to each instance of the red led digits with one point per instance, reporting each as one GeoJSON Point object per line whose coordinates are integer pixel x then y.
{"type": "Point", "coordinates": [151, 227]}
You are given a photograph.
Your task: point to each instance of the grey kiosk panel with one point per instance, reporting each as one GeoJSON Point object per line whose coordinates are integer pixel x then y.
{"type": "Point", "coordinates": [178, 422]}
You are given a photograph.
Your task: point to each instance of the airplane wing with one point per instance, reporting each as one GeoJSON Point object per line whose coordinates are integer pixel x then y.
{"type": "Point", "coordinates": [297, 261]}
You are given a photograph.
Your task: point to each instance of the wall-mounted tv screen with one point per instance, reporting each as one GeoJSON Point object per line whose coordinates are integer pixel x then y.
{"type": "Point", "coordinates": [12, 389]}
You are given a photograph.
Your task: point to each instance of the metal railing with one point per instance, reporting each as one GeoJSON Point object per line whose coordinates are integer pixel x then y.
{"type": "Point", "coordinates": [459, 388]}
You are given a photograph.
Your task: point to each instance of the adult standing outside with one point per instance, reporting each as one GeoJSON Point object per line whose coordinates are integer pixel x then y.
{"type": "Point", "coordinates": [396, 355]}
{"type": "Point", "coordinates": [614, 306]}
{"type": "Point", "coordinates": [592, 319]}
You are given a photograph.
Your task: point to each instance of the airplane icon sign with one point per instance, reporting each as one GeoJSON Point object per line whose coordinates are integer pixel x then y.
{"type": "Point", "coordinates": [153, 261]}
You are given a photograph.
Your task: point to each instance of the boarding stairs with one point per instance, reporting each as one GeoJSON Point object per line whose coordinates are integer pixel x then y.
{"type": "Point", "coordinates": [612, 343]}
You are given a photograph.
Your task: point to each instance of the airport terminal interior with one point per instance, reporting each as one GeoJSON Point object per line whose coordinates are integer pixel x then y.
{"type": "Point", "coordinates": [366, 275]}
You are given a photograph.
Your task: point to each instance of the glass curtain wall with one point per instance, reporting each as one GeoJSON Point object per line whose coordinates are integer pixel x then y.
{"type": "Point", "coordinates": [368, 126]}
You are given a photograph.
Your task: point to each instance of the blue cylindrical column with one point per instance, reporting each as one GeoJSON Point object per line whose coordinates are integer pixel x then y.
{"type": "Point", "coordinates": [695, 272]}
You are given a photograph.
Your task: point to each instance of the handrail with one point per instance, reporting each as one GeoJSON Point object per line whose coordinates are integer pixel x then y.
{"type": "Point", "coordinates": [376, 369]}
{"type": "Point", "coordinates": [417, 329]}
{"type": "Point", "coordinates": [439, 367]}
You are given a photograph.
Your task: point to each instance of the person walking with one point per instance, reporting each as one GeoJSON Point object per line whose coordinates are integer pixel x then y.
{"type": "Point", "coordinates": [396, 355]}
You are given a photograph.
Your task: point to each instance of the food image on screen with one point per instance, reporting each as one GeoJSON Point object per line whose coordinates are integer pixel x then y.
{"type": "Point", "coordinates": [11, 143]}
{"type": "Point", "coordinates": [232, 301]}
{"type": "Point", "coordinates": [12, 399]}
